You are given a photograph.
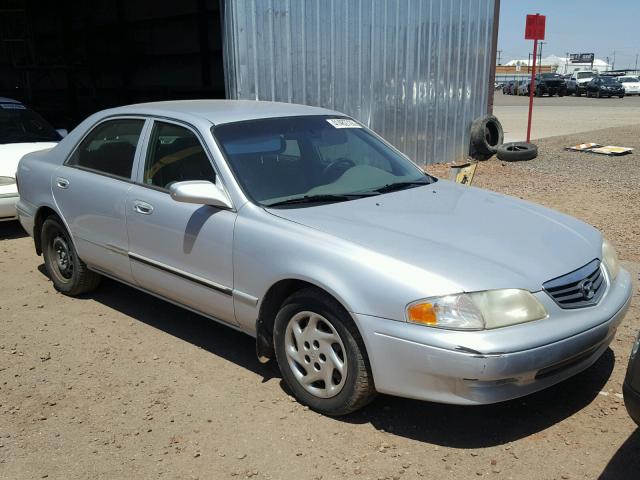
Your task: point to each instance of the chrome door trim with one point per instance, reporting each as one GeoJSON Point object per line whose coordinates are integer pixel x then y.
{"type": "Point", "coordinates": [166, 299]}
{"type": "Point", "coordinates": [181, 273]}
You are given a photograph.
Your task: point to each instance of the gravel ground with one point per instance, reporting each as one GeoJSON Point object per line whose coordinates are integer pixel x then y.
{"type": "Point", "coordinates": [121, 385]}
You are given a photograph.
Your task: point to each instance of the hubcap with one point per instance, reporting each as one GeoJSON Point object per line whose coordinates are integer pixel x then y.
{"type": "Point", "coordinates": [63, 258]}
{"type": "Point", "coordinates": [316, 354]}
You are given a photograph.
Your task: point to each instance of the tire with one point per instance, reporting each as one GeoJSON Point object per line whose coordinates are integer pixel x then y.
{"type": "Point", "coordinates": [486, 134]}
{"type": "Point", "coordinates": [620, 96]}
{"type": "Point", "coordinates": [517, 151]}
{"type": "Point", "coordinates": [336, 337]}
{"type": "Point", "coordinates": [68, 273]}
{"type": "Point", "coordinates": [578, 92]}
{"type": "Point", "coordinates": [598, 94]}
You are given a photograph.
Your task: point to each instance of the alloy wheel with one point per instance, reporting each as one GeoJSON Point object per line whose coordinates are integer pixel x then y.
{"type": "Point", "coordinates": [316, 354]}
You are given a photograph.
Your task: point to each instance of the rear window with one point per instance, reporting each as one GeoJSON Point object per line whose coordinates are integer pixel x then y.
{"type": "Point", "coordinates": [18, 124]}
{"type": "Point", "coordinates": [109, 148]}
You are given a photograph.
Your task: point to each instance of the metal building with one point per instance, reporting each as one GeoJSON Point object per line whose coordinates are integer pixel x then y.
{"type": "Point", "coordinates": [416, 71]}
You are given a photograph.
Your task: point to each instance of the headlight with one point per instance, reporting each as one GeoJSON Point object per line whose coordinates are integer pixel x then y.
{"type": "Point", "coordinates": [610, 259]}
{"type": "Point", "coordinates": [478, 310]}
{"type": "Point", "coordinates": [4, 181]}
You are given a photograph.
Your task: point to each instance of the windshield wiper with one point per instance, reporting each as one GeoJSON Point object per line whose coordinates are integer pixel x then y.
{"type": "Point", "coordinates": [316, 199]}
{"type": "Point", "coordinates": [392, 187]}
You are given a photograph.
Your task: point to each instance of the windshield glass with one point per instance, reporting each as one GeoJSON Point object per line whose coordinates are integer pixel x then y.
{"type": "Point", "coordinates": [609, 81]}
{"type": "Point", "coordinates": [281, 159]}
{"type": "Point", "coordinates": [629, 80]}
{"type": "Point", "coordinates": [584, 75]}
{"type": "Point", "coordinates": [18, 124]}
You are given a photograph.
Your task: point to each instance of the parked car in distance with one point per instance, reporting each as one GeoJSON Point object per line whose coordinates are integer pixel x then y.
{"type": "Point", "coordinates": [577, 83]}
{"type": "Point", "coordinates": [508, 87]}
{"type": "Point", "coordinates": [550, 84]}
{"type": "Point", "coordinates": [603, 86]}
{"type": "Point", "coordinates": [21, 131]}
{"type": "Point", "coordinates": [523, 87]}
{"type": "Point", "coordinates": [348, 264]}
{"type": "Point", "coordinates": [630, 84]}
{"type": "Point", "coordinates": [631, 386]}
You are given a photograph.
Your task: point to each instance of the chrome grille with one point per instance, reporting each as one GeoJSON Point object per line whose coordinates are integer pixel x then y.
{"type": "Point", "coordinates": [580, 288]}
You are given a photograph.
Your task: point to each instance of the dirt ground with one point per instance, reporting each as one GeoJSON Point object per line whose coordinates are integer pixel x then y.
{"type": "Point", "coordinates": [122, 385]}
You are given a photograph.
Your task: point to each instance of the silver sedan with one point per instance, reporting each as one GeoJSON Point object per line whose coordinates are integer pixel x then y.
{"type": "Point", "coordinates": [354, 269]}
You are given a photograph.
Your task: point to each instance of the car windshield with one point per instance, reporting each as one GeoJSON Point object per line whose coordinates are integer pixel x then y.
{"type": "Point", "coordinates": [609, 81]}
{"type": "Point", "coordinates": [18, 124]}
{"type": "Point", "coordinates": [584, 75]}
{"type": "Point", "coordinates": [629, 80]}
{"type": "Point", "coordinates": [313, 159]}
{"type": "Point", "coordinates": [550, 75]}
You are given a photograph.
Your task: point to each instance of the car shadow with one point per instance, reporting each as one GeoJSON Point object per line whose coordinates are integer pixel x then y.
{"type": "Point", "coordinates": [11, 230]}
{"type": "Point", "coordinates": [438, 424]}
{"type": "Point", "coordinates": [207, 334]}
{"type": "Point", "coordinates": [625, 464]}
{"type": "Point", "coordinates": [487, 425]}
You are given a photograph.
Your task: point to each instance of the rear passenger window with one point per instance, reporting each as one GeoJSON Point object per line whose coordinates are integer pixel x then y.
{"type": "Point", "coordinates": [175, 155]}
{"type": "Point", "coordinates": [109, 148]}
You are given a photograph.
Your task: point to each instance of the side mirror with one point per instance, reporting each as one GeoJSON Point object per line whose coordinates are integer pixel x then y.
{"type": "Point", "coordinates": [200, 192]}
{"type": "Point", "coordinates": [62, 132]}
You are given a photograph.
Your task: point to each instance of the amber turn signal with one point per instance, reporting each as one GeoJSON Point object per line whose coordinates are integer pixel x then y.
{"type": "Point", "coordinates": [423, 313]}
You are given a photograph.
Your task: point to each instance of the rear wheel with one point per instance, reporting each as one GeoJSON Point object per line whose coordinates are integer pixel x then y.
{"type": "Point", "coordinates": [68, 273]}
{"type": "Point", "coordinates": [321, 354]}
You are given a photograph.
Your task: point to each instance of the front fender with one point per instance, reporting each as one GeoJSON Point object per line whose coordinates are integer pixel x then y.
{"type": "Point", "coordinates": [268, 249]}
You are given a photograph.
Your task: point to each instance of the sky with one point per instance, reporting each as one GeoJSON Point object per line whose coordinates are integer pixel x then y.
{"type": "Point", "coordinates": [574, 26]}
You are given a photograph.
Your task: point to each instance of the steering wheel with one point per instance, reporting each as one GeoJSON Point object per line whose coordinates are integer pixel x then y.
{"type": "Point", "coordinates": [335, 169]}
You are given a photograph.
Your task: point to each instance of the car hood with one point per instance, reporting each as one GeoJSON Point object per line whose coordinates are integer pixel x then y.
{"type": "Point", "coordinates": [477, 239]}
{"type": "Point", "coordinates": [11, 153]}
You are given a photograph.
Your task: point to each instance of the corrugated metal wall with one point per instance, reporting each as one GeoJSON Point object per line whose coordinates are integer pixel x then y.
{"type": "Point", "coordinates": [415, 71]}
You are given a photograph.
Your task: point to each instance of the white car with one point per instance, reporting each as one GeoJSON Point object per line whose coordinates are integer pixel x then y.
{"type": "Point", "coordinates": [631, 85]}
{"type": "Point", "coordinates": [22, 131]}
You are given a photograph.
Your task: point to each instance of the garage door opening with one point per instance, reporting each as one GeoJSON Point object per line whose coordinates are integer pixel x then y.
{"type": "Point", "coordinates": [72, 58]}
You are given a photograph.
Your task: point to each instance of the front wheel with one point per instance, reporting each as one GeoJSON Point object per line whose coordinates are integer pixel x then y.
{"type": "Point", "coordinates": [68, 273]}
{"type": "Point", "coordinates": [321, 354]}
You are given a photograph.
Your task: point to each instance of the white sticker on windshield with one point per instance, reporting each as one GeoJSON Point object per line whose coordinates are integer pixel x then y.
{"type": "Point", "coordinates": [343, 123]}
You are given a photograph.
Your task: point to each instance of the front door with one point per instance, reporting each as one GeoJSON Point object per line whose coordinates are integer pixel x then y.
{"type": "Point", "coordinates": [179, 250]}
{"type": "Point", "coordinates": [90, 189]}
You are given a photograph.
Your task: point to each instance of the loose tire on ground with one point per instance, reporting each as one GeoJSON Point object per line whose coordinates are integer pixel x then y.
{"type": "Point", "coordinates": [309, 351]}
{"type": "Point", "coordinates": [486, 134]}
{"type": "Point", "coordinates": [517, 151]}
{"type": "Point", "coordinates": [68, 273]}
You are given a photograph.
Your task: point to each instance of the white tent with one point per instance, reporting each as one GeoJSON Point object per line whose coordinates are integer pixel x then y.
{"type": "Point", "coordinates": [562, 64]}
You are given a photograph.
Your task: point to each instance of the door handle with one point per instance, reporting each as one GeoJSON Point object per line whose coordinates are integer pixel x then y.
{"type": "Point", "coordinates": [62, 182]}
{"type": "Point", "coordinates": [142, 207]}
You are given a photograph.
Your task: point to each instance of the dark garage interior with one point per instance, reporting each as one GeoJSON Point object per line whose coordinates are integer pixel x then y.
{"type": "Point", "coordinates": [70, 58]}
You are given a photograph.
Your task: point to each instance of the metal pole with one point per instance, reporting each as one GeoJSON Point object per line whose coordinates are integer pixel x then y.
{"type": "Point", "coordinates": [532, 89]}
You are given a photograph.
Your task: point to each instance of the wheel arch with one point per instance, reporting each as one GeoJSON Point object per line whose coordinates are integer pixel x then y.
{"type": "Point", "coordinates": [270, 305]}
{"type": "Point", "coordinates": [42, 214]}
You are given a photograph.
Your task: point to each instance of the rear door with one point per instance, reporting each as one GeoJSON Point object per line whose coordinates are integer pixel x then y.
{"type": "Point", "coordinates": [179, 250]}
{"type": "Point", "coordinates": [90, 190]}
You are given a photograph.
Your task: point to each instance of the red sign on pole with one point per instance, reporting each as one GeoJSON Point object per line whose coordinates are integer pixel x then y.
{"type": "Point", "coordinates": [534, 29]}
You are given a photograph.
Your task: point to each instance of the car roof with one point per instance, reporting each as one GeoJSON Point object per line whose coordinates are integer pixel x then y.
{"type": "Point", "coordinates": [221, 111]}
{"type": "Point", "coordinates": [9, 100]}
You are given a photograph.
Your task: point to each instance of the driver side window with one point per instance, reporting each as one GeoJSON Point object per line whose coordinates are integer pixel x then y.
{"type": "Point", "coordinates": [175, 154]}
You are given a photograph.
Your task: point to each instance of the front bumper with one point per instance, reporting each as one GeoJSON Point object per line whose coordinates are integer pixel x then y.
{"type": "Point", "coordinates": [8, 206]}
{"type": "Point", "coordinates": [495, 365]}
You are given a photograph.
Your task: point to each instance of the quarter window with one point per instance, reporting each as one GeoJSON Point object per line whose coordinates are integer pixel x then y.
{"type": "Point", "coordinates": [109, 148]}
{"type": "Point", "coordinates": [175, 155]}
